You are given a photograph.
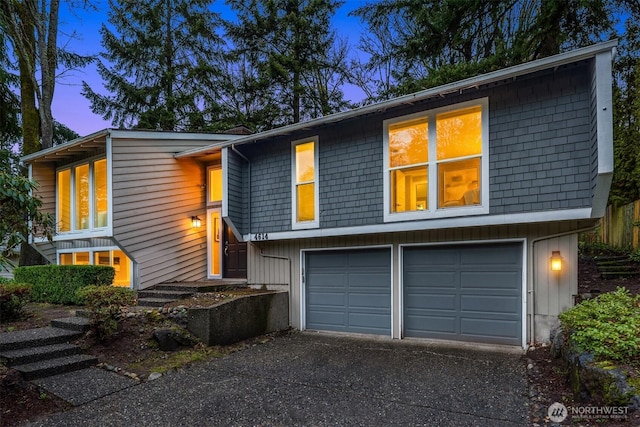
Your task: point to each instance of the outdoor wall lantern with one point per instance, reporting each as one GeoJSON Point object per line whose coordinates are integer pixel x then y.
{"type": "Point", "coordinates": [556, 261]}
{"type": "Point", "coordinates": [195, 222]}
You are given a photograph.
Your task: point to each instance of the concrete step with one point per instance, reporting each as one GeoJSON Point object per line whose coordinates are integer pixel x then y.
{"type": "Point", "coordinates": [157, 293]}
{"type": "Point", "coordinates": [46, 368]}
{"type": "Point", "coordinates": [154, 302]}
{"type": "Point", "coordinates": [36, 337]}
{"type": "Point", "coordinates": [76, 323]}
{"type": "Point", "coordinates": [206, 286]}
{"type": "Point", "coordinates": [35, 354]}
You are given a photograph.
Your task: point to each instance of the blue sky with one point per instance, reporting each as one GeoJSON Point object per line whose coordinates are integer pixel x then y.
{"type": "Point", "coordinates": [72, 109]}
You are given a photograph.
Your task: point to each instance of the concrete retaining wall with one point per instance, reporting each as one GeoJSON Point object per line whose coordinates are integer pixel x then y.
{"type": "Point", "coordinates": [241, 318]}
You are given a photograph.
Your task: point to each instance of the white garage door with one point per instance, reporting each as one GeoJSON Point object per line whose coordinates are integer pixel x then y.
{"type": "Point", "coordinates": [348, 291]}
{"type": "Point", "coordinates": [468, 293]}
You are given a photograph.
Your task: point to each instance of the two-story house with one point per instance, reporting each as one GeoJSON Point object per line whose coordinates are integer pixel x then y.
{"type": "Point", "coordinates": [451, 213]}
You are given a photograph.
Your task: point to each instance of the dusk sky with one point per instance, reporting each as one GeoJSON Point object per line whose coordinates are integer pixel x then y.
{"type": "Point", "coordinates": [73, 110]}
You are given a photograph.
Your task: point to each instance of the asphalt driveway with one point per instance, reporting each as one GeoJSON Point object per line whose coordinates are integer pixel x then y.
{"type": "Point", "coordinates": [316, 380]}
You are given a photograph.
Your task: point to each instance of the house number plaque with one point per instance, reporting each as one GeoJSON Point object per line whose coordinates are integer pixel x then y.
{"type": "Point", "coordinates": [261, 236]}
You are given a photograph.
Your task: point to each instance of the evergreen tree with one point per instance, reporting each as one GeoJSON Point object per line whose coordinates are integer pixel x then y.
{"type": "Point", "coordinates": [289, 54]}
{"type": "Point", "coordinates": [625, 187]}
{"type": "Point", "coordinates": [433, 42]}
{"type": "Point", "coordinates": [163, 55]}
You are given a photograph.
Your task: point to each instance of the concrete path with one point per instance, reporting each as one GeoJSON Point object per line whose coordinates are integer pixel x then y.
{"type": "Point", "coordinates": [311, 379]}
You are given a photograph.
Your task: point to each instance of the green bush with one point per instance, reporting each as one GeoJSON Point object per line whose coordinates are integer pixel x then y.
{"type": "Point", "coordinates": [635, 255]}
{"type": "Point", "coordinates": [104, 304]}
{"type": "Point", "coordinates": [57, 284]}
{"type": "Point", "coordinates": [4, 281]}
{"type": "Point", "coordinates": [13, 297]}
{"type": "Point", "coordinates": [607, 326]}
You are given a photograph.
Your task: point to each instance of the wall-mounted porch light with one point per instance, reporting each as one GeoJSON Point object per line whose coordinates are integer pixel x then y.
{"type": "Point", "coordinates": [556, 261]}
{"type": "Point", "coordinates": [195, 222]}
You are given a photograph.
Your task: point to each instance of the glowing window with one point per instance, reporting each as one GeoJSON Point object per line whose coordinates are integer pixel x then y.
{"type": "Point", "coordinates": [64, 200]}
{"type": "Point", "coordinates": [82, 197]}
{"type": "Point", "coordinates": [113, 258]}
{"type": "Point", "coordinates": [305, 183]}
{"type": "Point", "coordinates": [215, 185]}
{"type": "Point", "coordinates": [434, 161]}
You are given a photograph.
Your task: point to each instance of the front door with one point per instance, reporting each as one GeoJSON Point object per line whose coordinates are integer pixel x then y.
{"type": "Point", "coordinates": [235, 256]}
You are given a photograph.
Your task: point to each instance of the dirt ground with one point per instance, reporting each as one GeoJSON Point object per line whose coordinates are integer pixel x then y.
{"type": "Point", "coordinates": [133, 352]}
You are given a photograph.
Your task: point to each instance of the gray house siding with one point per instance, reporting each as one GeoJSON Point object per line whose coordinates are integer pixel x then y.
{"type": "Point", "coordinates": [540, 146]}
{"type": "Point", "coordinates": [237, 191]}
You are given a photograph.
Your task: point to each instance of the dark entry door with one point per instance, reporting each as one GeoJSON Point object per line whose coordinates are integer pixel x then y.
{"type": "Point", "coordinates": [235, 256]}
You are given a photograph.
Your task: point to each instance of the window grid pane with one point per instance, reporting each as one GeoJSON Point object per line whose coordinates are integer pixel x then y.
{"type": "Point", "coordinates": [82, 197]}
{"type": "Point", "coordinates": [306, 202]}
{"type": "Point", "coordinates": [409, 189]}
{"type": "Point", "coordinates": [100, 193]}
{"type": "Point", "coordinates": [408, 143]}
{"type": "Point", "coordinates": [64, 200]}
{"type": "Point", "coordinates": [305, 164]}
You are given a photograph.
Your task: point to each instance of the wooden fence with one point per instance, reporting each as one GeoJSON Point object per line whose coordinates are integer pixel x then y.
{"type": "Point", "coordinates": [621, 226]}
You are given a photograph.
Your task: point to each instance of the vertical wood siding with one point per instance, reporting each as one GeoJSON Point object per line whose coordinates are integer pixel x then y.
{"type": "Point", "coordinates": [154, 198]}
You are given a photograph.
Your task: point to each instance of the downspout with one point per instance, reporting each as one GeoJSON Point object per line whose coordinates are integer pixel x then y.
{"type": "Point", "coordinates": [235, 150]}
{"type": "Point", "coordinates": [532, 303]}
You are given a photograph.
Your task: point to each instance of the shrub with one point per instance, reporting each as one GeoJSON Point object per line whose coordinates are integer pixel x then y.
{"type": "Point", "coordinates": [104, 304]}
{"type": "Point", "coordinates": [13, 297]}
{"type": "Point", "coordinates": [607, 326]}
{"type": "Point", "coordinates": [58, 284]}
{"type": "Point", "coordinates": [4, 281]}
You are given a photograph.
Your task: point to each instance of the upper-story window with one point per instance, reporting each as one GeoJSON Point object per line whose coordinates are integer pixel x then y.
{"type": "Point", "coordinates": [305, 183]}
{"type": "Point", "coordinates": [436, 163]}
{"type": "Point", "coordinates": [214, 185]}
{"type": "Point", "coordinates": [82, 197]}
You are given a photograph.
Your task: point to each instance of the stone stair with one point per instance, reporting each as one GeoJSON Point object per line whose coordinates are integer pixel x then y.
{"type": "Point", "coordinates": [165, 293]}
{"type": "Point", "coordinates": [616, 267]}
{"type": "Point", "coordinates": [42, 352]}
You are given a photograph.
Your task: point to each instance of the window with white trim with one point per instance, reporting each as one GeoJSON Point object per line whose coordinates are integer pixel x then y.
{"type": "Point", "coordinates": [110, 257]}
{"type": "Point", "coordinates": [436, 163]}
{"type": "Point", "coordinates": [82, 197]}
{"type": "Point", "coordinates": [304, 180]}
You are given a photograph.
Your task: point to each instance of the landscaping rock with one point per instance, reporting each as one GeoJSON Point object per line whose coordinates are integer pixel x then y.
{"type": "Point", "coordinates": [172, 339]}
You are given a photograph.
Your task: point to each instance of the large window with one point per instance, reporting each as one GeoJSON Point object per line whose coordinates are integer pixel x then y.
{"type": "Point", "coordinates": [435, 163]}
{"type": "Point", "coordinates": [114, 258]}
{"type": "Point", "coordinates": [82, 197]}
{"type": "Point", "coordinates": [305, 183]}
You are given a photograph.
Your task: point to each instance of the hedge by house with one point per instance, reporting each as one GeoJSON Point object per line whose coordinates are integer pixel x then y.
{"type": "Point", "coordinates": [58, 283]}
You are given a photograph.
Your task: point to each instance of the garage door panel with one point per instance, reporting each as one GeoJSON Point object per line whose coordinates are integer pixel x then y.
{"type": "Point", "coordinates": [368, 280]}
{"type": "Point", "coordinates": [420, 279]}
{"type": "Point", "coordinates": [332, 299]}
{"type": "Point", "coordinates": [417, 325]}
{"type": "Point", "coordinates": [486, 255]}
{"type": "Point", "coordinates": [431, 301]}
{"type": "Point", "coordinates": [440, 258]}
{"type": "Point", "coordinates": [328, 319]}
{"type": "Point", "coordinates": [374, 301]}
{"type": "Point", "coordinates": [489, 328]}
{"type": "Point", "coordinates": [491, 304]}
{"type": "Point", "coordinates": [489, 279]}
{"type": "Point", "coordinates": [477, 297]}
{"type": "Point", "coordinates": [365, 289]}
